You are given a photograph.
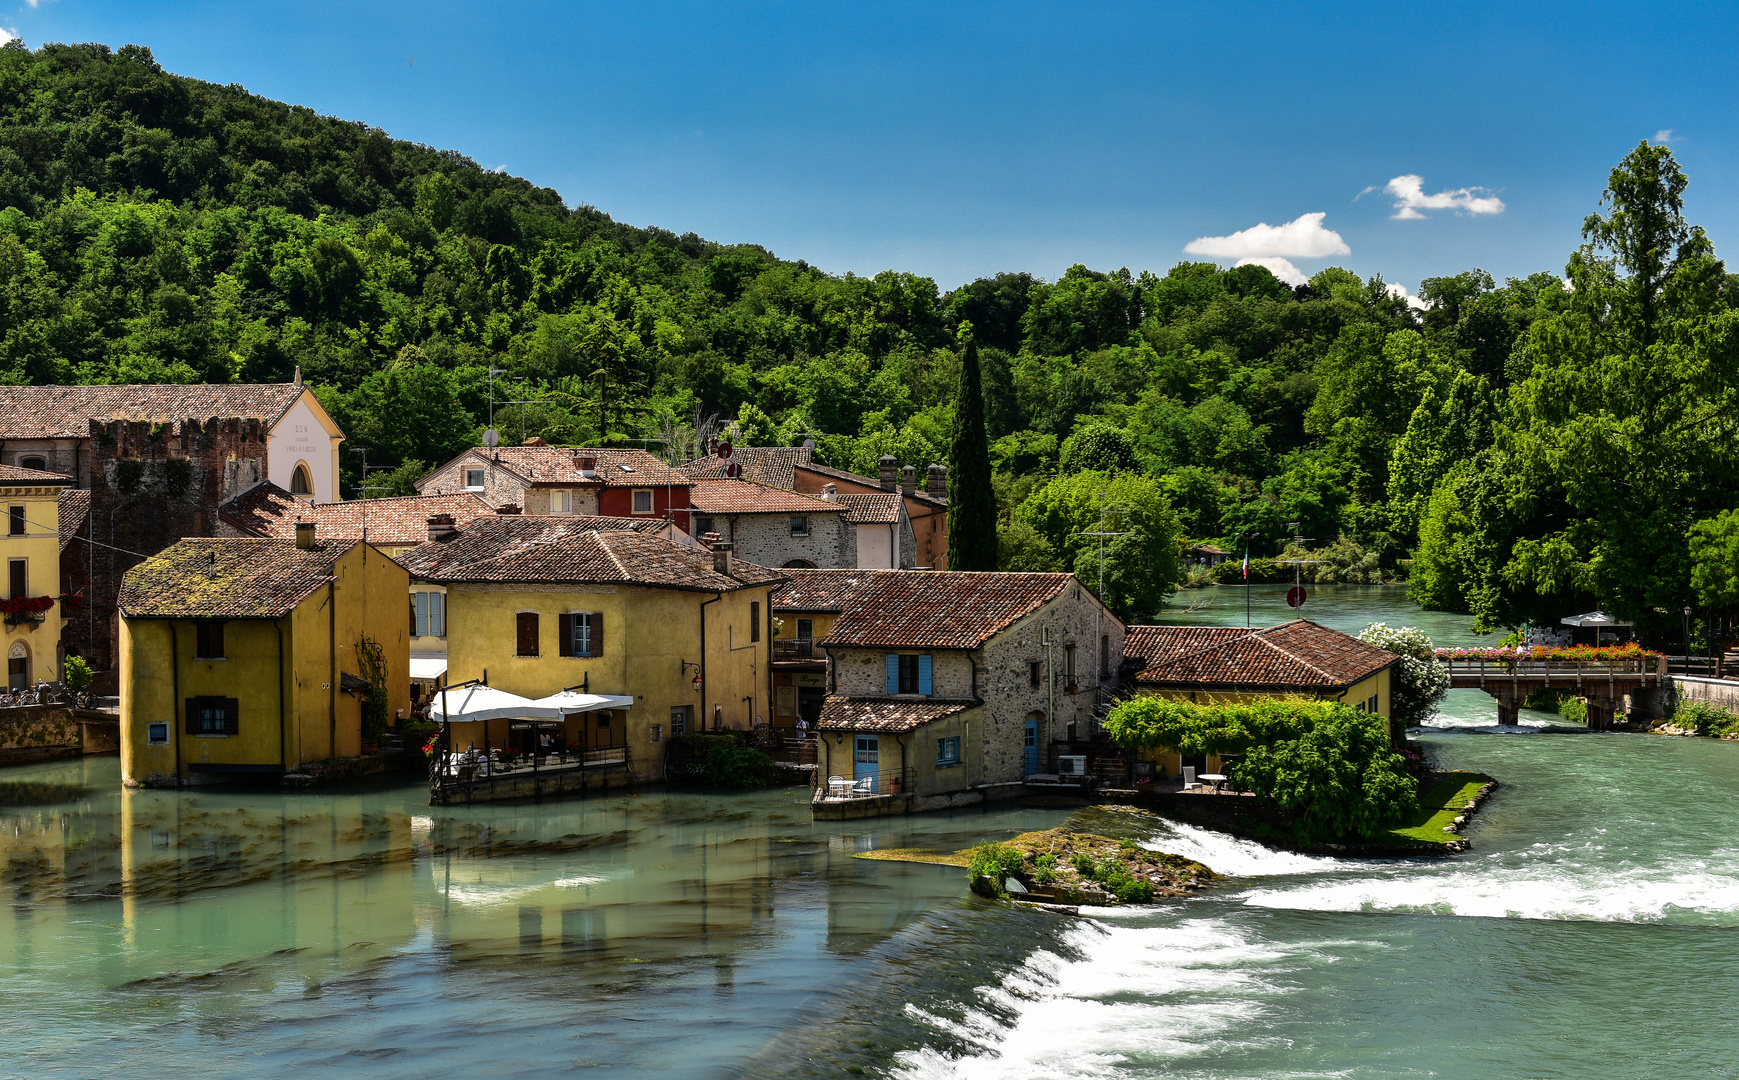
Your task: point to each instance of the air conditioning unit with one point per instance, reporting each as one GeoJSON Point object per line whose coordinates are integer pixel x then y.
{"type": "Point", "coordinates": [1071, 765]}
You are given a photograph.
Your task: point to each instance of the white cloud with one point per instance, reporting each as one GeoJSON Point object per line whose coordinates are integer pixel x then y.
{"type": "Point", "coordinates": [1664, 135]}
{"type": "Point", "coordinates": [8, 34]}
{"type": "Point", "coordinates": [1410, 198]}
{"type": "Point", "coordinates": [1301, 238]}
{"type": "Point", "coordinates": [1401, 291]}
{"type": "Point", "coordinates": [1279, 267]}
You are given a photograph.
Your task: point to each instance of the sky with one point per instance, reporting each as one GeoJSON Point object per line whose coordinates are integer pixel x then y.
{"type": "Point", "coordinates": [960, 140]}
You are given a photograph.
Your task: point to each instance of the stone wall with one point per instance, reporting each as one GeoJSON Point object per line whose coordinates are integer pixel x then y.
{"type": "Point", "coordinates": [40, 732]}
{"type": "Point", "coordinates": [1722, 692]}
{"type": "Point", "coordinates": [151, 485]}
{"type": "Point", "coordinates": [766, 540]}
{"type": "Point", "coordinates": [501, 488]}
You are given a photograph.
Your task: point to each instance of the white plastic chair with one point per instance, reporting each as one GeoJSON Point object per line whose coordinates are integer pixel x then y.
{"type": "Point", "coordinates": [1189, 777]}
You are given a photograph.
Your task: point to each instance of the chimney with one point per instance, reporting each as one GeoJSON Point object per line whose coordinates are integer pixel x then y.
{"type": "Point", "coordinates": [586, 465]}
{"type": "Point", "coordinates": [722, 557]}
{"type": "Point", "coordinates": [441, 528]}
{"type": "Point", "coordinates": [305, 535]}
{"type": "Point", "coordinates": [890, 469]}
{"type": "Point", "coordinates": [909, 480]}
{"type": "Point", "coordinates": [830, 493]}
{"type": "Point", "coordinates": [510, 508]}
{"type": "Point", "coordinates": [938, 485]}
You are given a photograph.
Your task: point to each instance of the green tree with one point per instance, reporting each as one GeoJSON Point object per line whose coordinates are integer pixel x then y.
{"type": "Point", "coordinates": [971, 499]}
{"type": "Point", "coordinates": [1099, 447]}
{"type": "Point", "coordinates": [1418, 681]}
{"type": "Point", "coordinates": [1141, 569]}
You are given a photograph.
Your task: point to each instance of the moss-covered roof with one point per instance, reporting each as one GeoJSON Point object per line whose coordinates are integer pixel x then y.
{"type": "Point", "coordinates": [228, 579]}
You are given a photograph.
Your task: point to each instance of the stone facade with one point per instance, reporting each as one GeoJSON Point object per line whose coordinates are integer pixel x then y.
{"type": "Point", "coordinates": [766, 539]}
{"type": "Point", "coordinates": [151, 485]}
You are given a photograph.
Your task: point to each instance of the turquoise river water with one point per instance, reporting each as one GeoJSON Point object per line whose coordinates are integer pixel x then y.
{"type": "Point", "coordinates": [1590, 932]}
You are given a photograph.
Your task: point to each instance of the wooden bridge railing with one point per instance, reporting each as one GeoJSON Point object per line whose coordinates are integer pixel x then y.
{"type": "Point", "coordinates": [1553, 668]}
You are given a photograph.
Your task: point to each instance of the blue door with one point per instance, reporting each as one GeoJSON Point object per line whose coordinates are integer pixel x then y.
{"type": "Point", "coordinates": [1032, 747]}
{"type": "Point", "coordinates": [866, 761]}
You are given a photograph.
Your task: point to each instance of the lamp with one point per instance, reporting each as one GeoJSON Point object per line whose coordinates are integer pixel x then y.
{"type": "Point", "coordinates": [697, 680]}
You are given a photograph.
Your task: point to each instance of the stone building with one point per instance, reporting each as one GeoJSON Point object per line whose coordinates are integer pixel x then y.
{"type": "Point", "coordinates": [885, 540]}
{"type": "Point", "coordinates": [774, 526]}
{"type": "Point", "coordinates": [150, 484]}
{"type": "Point", "coordinates": [49, 427]}
{"type": "Point", "coordinates": [558, 480]}
{"type": "Point", "coordinates": [951, 687]}
{"type": "Point", "coordinates": [795, 468]}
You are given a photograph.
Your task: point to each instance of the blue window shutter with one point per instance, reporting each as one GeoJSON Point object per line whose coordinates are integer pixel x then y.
{"type": "Point", "coordinates": [893, 673]}
{"type": "Point", "coordinates": [924, 674]}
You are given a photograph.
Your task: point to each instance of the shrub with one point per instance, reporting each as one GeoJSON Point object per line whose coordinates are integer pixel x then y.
{"type": "Point", "coordinates": [731, 764]}
{"type": "Point", "coordinates": [1419, 681]}
{"type": "Point", "coordinates": [76, 673]}
{"type": "Point", "coordinates": [1705, 719]}
{"type": "Point", "coordinates": [1045, 869]}
{"type": "Point", "coordinates": [995, 863]}
{"type": "Point", "coordinates": [1085, 866]}
{"type": "Point", "coordinates": [1132, 890]}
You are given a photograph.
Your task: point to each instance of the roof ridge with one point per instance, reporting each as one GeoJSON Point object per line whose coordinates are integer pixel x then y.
{"type": "Point", "coordinates": [1290, 655]}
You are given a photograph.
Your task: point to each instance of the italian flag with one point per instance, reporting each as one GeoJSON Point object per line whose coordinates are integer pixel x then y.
{"type": "Point", "coordinates": [1246, 563]}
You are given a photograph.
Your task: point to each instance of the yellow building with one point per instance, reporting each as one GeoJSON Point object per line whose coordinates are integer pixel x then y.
{"type": "Point", "coordinates": [256, 656]}
{"type": "Point", "coordinates": [33, 610]}
{"type": "Point", "coordinates": [1227, 664]}
{"type": "Point", "coordinates": [536, 605]}
{"type": "Point", "coordinates": [803, 613]}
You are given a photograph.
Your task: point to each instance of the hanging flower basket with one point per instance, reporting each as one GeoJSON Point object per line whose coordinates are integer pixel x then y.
{"type": "Point", "coordinates": [25, 609]}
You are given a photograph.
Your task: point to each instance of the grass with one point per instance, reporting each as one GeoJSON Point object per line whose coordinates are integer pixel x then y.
{"type": "Point", "coordinates": [1439, 804]}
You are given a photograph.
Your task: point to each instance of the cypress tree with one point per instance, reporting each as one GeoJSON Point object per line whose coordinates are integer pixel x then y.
{"type": "Point", "coordinates": [971, 502]}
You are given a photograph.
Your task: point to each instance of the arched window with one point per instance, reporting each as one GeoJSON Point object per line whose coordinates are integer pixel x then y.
{"type": "Point", "coordinates": [300, 482]}
{"type": "Point", "coordinates": [799, 564]}
{"type": "Point", "coordinates": [18, 666]}
{"type": "Point", "coordinates": [33, 463]}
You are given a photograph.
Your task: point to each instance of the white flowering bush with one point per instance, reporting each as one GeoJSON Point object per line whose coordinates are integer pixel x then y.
{"type": "Point", "coordinates": [1417, 684]}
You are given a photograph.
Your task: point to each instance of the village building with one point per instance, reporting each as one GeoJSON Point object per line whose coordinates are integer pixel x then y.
{"type": "Point", "coordinates": [393, 525]}
{"type": "Point", "coordinates": [34, 607]}
{"type": "Point", "coordinates": [541, 480]}
{"type": "Point", "coordinates": [803, 612]}
{"type": "Point", "coordinates": [952, 688]}
{"type": "Point", "coordinates": [538, 605]}
{"type": "Point", "coordinates": [1231, 664]}
{"type": "Point", "coordinates": [49, 427]}
{"type": "Point", "coordinates": [795, 468]}
{"type": "Point", "coordinates": [774, 526]}
{"type": "Point", "coordinates": [258, 656]}
{"type": "Point", "coordinates": [885, 540]}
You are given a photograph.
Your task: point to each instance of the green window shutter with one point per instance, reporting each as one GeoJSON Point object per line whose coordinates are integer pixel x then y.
{"type": "Point", "coordinates": [193, 716]}
{"type": "Point", "coordinates": [595, 627]}
{"type": "Point", "coordinates": [232, 722]}
{"type": "Point", "coordinates": [565, 634]}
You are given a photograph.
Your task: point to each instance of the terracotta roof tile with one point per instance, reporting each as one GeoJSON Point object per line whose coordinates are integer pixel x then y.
{"type": "Point", "coordinates": [940, 609]}
{"type": "Point", "coordinates": [268, 510]}
{"type": "Point", "coordinates": [247, 578]}
{"type": "Point", "coordinates": [771, 465]}
{"type": "Point", "coordinates": [872, 509]}
{"type": "Point", "coordinates": [824, 590]}
{"type": "Point", "coordinates": [840, 474]}
{"type": "Point", "coordinates": [749, 497]}
{"type": "Point", "coordinates": [12, 474]}
{"type": "Point", "coordinates": [1298, 655]}
{"type": "Point", "coordinates": [63, 412]}
{"type": "Point", "coordinates": [556, 465]}
{"type": "Point", "coordinates": [887, 714]}
{"type": "Point", "coordinates": [75, 508]}
{"type": "Point", "coordinates": [573, 550]}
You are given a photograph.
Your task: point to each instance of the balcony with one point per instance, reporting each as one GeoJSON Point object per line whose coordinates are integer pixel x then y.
{"type": "Point", "coordinates": [797, 649]}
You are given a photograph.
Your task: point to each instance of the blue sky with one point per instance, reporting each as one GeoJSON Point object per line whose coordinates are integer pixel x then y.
{"type": "Point", "coordinates": [957, 140]}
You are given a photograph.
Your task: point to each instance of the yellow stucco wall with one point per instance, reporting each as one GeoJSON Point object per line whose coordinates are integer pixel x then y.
{"type": "Point", "coordinates": [1168, 762]}
{"type": "Point", "coordinates": [39, 547]}
{"type": "Point", "coordinates": [648, 633]}
{"type": "Point", "coordinates": [159, 672]}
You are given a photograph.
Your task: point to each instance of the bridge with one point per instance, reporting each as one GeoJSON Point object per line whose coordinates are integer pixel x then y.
{"type": "Point", "coordinates": [1603, 684]}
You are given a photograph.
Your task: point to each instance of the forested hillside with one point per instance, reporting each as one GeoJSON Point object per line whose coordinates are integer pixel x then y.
{"type": "Point", "coordinates": [157, 228]}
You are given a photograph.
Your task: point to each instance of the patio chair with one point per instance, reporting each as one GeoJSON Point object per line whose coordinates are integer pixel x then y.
{"type": "Point", "coordinates": [1189, 777]}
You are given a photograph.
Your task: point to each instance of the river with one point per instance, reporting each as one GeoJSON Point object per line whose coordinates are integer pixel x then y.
{"type": "Point", "coordinates": [238, 934]}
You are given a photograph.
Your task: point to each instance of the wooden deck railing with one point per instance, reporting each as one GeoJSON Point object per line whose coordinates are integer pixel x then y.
{"type": "Point", "coordinates": [1500, 668]}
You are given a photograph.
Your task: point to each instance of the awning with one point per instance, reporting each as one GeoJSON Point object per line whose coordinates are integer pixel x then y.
{"type": "Point", "coordinates": [1594, 618]}
{"type": "Point", "coordinates": [572, 701]}
{"type": "Point", "coordinates": [428, 668]}
{"type": "Point", "coordinates": [470, 703]}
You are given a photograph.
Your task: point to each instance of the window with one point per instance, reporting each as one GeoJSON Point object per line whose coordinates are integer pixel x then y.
{"type": "Point", "coordinates": [34, 463]}
{"type": "Point", "coordinates": [1069, 666]}
{"type": "Point", "coordinates": [300, 482]}
{"type": "Point", "coordinates": [208, 640]}
{"type": "Point", "coordinates": [800, 525]}
{"type": "Point", "coordinates": [1034, 674]}
{"type": "Point", "coordinates": [908, 673]}
{"type": "Point", "coordinates": [642, 500]}
{"type": "Point", "coordinates": [428, 614]}
{"type": "Point", "coordinates": [212, 716]}
{"type": "Point", "coordinates": [581, 633]}
{"type": "Point", "coordinates": [474, 479]}
{"type": "Point", "coordinates": [157, 734]}
{"type": "Point", "coordinates": [15, 521]}
{"type": "Point", "coordinates": [19, 578]}
{"type": "Point", "coordinates": [526, 625]}
{"type": "Point", "coordinates": [805, 629]}
{"type": "Point", "coordinates": [948, 750]}
{"type": "Point", "coordinates": [799, 564]}
{"type": "Point", "coordinates": [754, 620]}
{"type": "Point", "coordinates": [702, 525]}
{"type": "Point", "coordinates": [679, 717]}
{"type": "Point", "coordinates": [561, 502]}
